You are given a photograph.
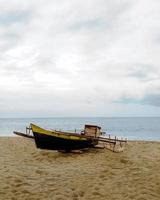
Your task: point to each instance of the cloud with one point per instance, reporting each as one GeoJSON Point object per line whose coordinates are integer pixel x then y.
{"type": "Point", "coordinates": [152, 99]}
{"type": "Point", "coordinates": [79, 56]}
{"type": "Point", "coordinates": [9, 18]}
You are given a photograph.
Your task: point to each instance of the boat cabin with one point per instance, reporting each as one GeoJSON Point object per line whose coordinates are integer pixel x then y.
{"type": "Point", "coordinates": [92, 130]}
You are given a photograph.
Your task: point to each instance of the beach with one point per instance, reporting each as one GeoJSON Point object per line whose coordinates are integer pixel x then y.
{"type": "Point", "coordinates": [30, 173]}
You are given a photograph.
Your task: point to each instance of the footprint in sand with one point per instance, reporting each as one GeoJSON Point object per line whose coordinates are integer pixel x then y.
{"type": "Point", "coordinates": [40, 172]}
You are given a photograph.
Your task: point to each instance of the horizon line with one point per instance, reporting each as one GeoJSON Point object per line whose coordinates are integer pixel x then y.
{"type": "Point", "coordinates": [79, 117]}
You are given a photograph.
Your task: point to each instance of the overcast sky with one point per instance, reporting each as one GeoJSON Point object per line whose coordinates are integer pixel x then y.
{"type": "Point", "coordinates": [79, 58]}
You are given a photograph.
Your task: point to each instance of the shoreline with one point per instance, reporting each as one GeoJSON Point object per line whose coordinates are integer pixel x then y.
{"type": "Point", "coordinates": [31, 173]}
{"type": "Point", "coordinates": [128, 140]}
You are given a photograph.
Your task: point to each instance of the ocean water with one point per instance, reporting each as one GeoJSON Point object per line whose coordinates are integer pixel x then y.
{"type": "Point", "coordinates": [132, 128]}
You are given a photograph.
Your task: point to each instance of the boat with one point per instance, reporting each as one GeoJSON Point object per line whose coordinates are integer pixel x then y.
{"type": "Point", "coordinates": [91, 136]}
{"type": "Point", "coordinates": [60, 140]}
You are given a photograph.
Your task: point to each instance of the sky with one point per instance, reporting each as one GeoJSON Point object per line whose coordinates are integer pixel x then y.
{"type": "Point", "coordinates": [79, 58]}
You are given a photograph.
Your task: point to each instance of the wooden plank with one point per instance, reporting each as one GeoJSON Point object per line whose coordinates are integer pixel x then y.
{"type": "Point", "coordinates": [23, 134]}
{"type": "Point", "coordinates": [112, 139]}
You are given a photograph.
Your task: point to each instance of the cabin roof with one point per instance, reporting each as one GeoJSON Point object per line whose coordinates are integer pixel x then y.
{"type": "Point", "coordinates": [90, 125]}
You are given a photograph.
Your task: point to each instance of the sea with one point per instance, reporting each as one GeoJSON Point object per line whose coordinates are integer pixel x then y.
{"type": "Point", "coordinates": [132, 128]}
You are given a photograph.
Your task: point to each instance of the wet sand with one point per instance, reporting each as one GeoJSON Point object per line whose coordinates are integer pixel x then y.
{"type": "Point", "coordinates": [97, 174]}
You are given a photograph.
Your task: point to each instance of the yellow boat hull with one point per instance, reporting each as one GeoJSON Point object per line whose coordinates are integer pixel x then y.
{"type": "Point", "coordinates": [57, 140]}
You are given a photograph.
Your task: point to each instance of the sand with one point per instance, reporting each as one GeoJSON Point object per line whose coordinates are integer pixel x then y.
{"type": "Point", "coordinates": [30, 173]}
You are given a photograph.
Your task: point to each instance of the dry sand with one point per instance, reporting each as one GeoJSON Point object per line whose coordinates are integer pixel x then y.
{"type": "Point", "coordinates": [30, 173]}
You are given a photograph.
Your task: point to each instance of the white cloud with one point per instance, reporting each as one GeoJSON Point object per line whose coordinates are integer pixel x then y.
{"type": "Point", "coordinates": [78, 55]}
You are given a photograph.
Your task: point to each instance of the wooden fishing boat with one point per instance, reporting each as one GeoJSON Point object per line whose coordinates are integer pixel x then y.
{"type": "Point", "coordinates": [91, 136]}
{"type": "Point", "coordinates": [59, 140]}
